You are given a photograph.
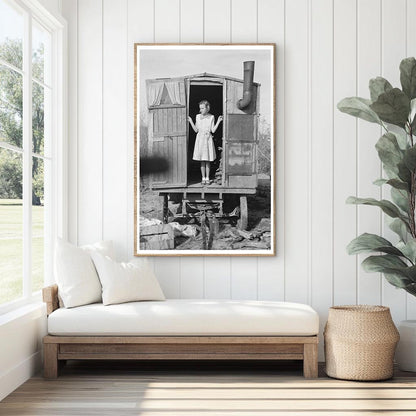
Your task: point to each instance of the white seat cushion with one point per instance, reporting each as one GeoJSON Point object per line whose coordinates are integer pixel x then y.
{"type": "Point", "coordinates": [187, 317]}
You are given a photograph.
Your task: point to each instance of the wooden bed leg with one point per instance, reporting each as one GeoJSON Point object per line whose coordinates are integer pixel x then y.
{"type": "Point", "coordinates": [50, 360]}
{"type": "Point", "coordinates": [310, 360]}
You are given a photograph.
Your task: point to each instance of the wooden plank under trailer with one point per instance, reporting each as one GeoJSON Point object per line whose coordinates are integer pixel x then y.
{"type": "Point", "coordinates": [211, 198]}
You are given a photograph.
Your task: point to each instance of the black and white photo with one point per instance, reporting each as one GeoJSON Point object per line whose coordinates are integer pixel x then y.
{"type": "Point", "coordinates": [204, 149]}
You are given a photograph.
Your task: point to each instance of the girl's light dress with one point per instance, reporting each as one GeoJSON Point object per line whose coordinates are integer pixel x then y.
{"type": "Point", "coordinates": [204, 145]}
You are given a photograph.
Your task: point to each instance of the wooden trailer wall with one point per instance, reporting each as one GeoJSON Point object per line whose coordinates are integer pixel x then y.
{"type": "Point", "coordinates": [167, 130]}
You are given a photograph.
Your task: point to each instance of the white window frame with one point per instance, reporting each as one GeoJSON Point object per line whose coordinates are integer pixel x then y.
{"type": "Point", "coordinates": [58, 211]}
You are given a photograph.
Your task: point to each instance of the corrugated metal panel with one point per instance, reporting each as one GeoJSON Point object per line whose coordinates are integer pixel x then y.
{"type": "Point", "coordinates": [240, 158]}
{"type": "Point", "coordinates": [241, 139]}
{"type": "Point", "coordinates": [242, 127]}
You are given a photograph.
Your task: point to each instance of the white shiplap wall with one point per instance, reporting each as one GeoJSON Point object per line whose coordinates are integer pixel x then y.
{"type": "Point", "coordinates": [326, 50]}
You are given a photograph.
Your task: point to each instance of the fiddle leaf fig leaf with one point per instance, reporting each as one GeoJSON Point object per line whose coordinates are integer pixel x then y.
{"type": "Point", "coordinates": [412, 116]}
{"type": "Point", "coordinates": [400, 228]}
{"type": "Point", "coordinates": [411, 289]}
{"type": "Point", "coordinates": [395, 183]}
{"type": "Point", "coordinates": [410, 158]}
{"type": "Point", "coordinates": [410, 272]}
{"type": "Point", "coordinates": [388, 207]}
{"type": "Point", "coordinates": [381, 263]}
{"type": "Point", "coordinates": [402, 139]}
{"type": "Point", "coordinates": [397, 280]}
{"type": "Point", "coordinates": [404, 173]}
{"type": "Point", "coordinates": [389, 151]}
{"type": "Point", "coordinates": [390, 173]}
{"type": "Point", "coordinates": [395, 270]}
{"type": "Point", "coordinates": [408, 249]}
{"type": "Point", "coordinates": [408, 77]}
{"type": "Point", "coordinates": [412, 109]}
{"type": "Point", "coordinates": [400, 198]}
{"type": "Point", "coordinates": [366, 243]}
{"type": "Point", "coordinates": [398, 184]}
{"type": "Point", "coordinates": [378, 86]}
{"type": "Point", "coordinates": [380, 182]}
{"type": "Point", "coordinates": [359, 107]}
{"type": "Point", "coordinates": [392, 107]}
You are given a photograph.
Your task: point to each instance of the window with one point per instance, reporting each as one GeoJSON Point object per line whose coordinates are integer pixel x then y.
{"type": "Point", "coordinates": [31, 142]}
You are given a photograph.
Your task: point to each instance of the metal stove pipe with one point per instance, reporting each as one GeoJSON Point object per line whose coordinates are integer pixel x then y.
{"type": "Point", "coordinates": [248, 85]}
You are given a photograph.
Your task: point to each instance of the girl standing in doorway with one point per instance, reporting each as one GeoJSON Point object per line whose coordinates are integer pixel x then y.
{"type": "Point", "coordinates": [204, 149]}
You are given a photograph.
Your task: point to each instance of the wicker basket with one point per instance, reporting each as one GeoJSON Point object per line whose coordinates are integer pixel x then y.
{"type": "Point", "coordinates": [360, 341]}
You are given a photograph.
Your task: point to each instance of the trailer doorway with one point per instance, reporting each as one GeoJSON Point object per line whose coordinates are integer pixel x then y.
{"type": "Point", "coordinates": [213, 93]}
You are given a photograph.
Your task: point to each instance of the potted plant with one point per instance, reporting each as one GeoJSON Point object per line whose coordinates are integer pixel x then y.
{"type": "Point", "coordinates": [394, 109]}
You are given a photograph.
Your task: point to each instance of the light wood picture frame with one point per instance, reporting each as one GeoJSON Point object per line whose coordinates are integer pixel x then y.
{"type": "Point", "coordinates": [204, 149]}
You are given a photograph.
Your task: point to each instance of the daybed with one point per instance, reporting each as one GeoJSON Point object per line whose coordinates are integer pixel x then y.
{"type": "Point", "coordinates": [181, 329]}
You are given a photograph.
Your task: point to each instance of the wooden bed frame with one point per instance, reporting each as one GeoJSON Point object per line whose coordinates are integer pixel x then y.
{"type": "Point", "coordinates": [58, 349]}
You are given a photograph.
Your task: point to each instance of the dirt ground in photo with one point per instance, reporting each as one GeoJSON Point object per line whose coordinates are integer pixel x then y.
{"type": "Point", "coordinates": [227, 235]}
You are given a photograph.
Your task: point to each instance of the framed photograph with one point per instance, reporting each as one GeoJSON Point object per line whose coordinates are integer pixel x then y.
{"type": "Point", "coordinates": [204, 149]}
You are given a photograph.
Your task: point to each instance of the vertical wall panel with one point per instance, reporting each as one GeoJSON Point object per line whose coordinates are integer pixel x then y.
{"type": "Point", "coordinates": [217, 278]}
{"type": "Point", "coordinates": [90, 93]}
{"type": "Point", "coordinates": [167, 13]}
{"type": "Point", "coordinates": [411, 28]}
{"type": "Point", "coordinates": [244, 278]}
{"type": "Point", "coordinates": [217, 27]}
{"type": "Point", "coordinates": [296, 152]}
{"type": "Point", "coordinates": [411, 51]}
{"type": "Point", "coordinates": [167, 29]}
{"type": "Point", "coordinates": [192, 30]}
{"type": "Point", "coordinates": [192, 278]}
{"type": "Point", "coordinates": [140, 30]}
{"type": "Point", "coordinates": [168, 274]}
{"type": "Point", "coordinates": [321, 156]}
{"type": "Point", "coordinates": [271, 29]}
{"type": "Point", "coordinates": [192, 21]}
{"type": "Point", "coordinates": [368, 163]}
{"type": "Point", "coordinates": [70, 11]}
{"type": "Point", "coordinates": [345, 151]}
{"type": "Point", "coordinates": [217, 20]}
{"type": "Point", "coordinates": [115, 103]}
{"type": "Point", "coordinates": [244, 21]}
{"type": "Point", "coordinates": [244, 29]}
{"type": "Point", "coordinates": [393, 51]}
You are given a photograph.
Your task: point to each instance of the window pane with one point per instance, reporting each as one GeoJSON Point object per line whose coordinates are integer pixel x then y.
{"type": "Point", "coordinates": [11, 107]}
{"type": "Point", "coordinates": [41, 46]}
{"type": "Point", "coordinates": [11, 34]}
{"type": "Point", "coordinates": [38, 118]}
{"type": "Point", "coordinates": [38, 229]}
{"type": "Point", "coordinates": [11, 226]}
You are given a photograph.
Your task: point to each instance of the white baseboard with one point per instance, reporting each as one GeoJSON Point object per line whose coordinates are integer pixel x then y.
{"type": "Point", "coordinates": [11, 379]}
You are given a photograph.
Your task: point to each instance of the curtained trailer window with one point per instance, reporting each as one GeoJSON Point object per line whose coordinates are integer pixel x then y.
{"type": "Point", "coordinates": [166, 93]}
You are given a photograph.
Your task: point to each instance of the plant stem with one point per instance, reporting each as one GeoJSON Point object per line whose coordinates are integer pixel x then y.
{"type": "Point", "coordinates": [412, 195]}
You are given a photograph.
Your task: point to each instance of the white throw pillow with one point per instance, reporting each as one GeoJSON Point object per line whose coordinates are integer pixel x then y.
{"type": "Point", "coordinates": [75, 274]}
{"type": "Point", "coordinates": [126, 282]}
{"type": "Point", "coordinates": [104, 247]}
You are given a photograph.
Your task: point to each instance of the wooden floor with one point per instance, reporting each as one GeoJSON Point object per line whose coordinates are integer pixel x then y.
{"type": "Point", "coordinates": [192, 389]}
